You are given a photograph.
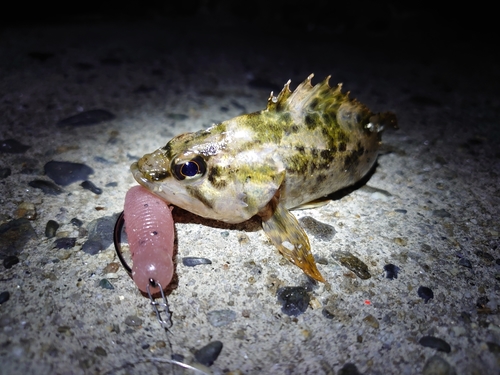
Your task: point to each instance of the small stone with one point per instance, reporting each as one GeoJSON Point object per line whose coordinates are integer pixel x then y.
{"type": "Point", "coordinates": [493, 347]}
{"type": "Point", "coordinates": [10, 261]}
{"type": "Point", "coordinates": [349, 369]}
{"type": "Point", "coordinates": [322, 231]}
{"type": "Point", "coordinates": [4, 173]}
{"type": "Point", "coordinates": [401, 241]}
{"type": "Point", "coordinates": [89, 185]}
{"type": "Point", "coordinates": [133, 321]}
{"type": "Point", "coordinates": [14, 235]}
{"type": "Point", "coordinates": [436, 365]}
{"type": "Point", "coordinates": [51, 228]}
{"type": "Point", "coordinates": [209, 353]}
{"type": "Point", "coordinates": [441, 213]}
{"type": "Point", "coordinates": [482, 302]}
{"type": "Point", "coordinates": [4, 297]}
{"type": "Point", "coordinates": [425, 293]}
{"type": "Point", "coordinates": [219, 318]}
{"type": "Point", "coordinates": [100, 234]}
{"type": "Point", "coordinates": [353, 263]}
{"type": "Point", "coordinates": [195, 261]}
{"type": "Point", "coordinates": [11, 146]}
{"type": "Point", "coordinates": [391, 271]}
{"type": "Point", "coordinates": [484, 255]}
{"type": "Point", "coordinates": [76, 222]}
{"type": "Point", "coordinates": [327, 314]}
{"type": "Point", "coordinates": [65, 173]}
{"type": "Point", "coordinates": [100, 351]}
{"type": "Point", "coordinates": [435, 343]}
{"type": "Point", "coordinates": [26, 210]}
{"type": "Point", "coordinates": [91, 117]}
{"type": "Point", "coordinates": [177, 116]}
{"type": "Point", "coordinates": [465, 262]}
{"type": "Point", "coordinates": [47, 187]}
{"type": "Point", "coordinates": [243, 238]}
{"type": "Point", "coordinates": [224, 233]}
{"type": "Point", "coordinates": [111, 268]}
{"type": "Point", "coordinates": [64, 254]}
{"type": "Point", "coordinates": [64, 243]}
{"type": "Point", "coordinates": [371, 321]}
{"type": "Point", "coordinates": [294, 300]}
{"type": "Point", "coordinates": [104, 283]}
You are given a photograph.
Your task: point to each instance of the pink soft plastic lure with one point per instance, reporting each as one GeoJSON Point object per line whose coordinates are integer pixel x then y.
{"type": "Point", "coordinates": [150, 232]}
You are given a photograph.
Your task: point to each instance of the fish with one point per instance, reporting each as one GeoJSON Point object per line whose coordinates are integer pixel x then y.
{"type": "Point", "coordinates": [306, 144]}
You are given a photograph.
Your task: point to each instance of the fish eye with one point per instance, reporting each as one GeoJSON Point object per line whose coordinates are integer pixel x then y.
{"type": "Point", "coordinates": [193, 168]}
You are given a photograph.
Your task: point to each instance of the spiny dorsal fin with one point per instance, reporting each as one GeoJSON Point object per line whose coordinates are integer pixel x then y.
{"type": "Point", "coordinates": [320, 97]}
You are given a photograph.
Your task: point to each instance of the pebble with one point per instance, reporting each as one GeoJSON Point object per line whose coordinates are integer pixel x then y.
{"type": "Point", "coordinates": [4, 173]}
{"type": "Point", "coordinates": [294, 300]}
{"type": "Point", "coordinates": [391, 271]}
{"type": "Point", "coordinates": [10, 261]}
{"type": "Point", "coordinates": [51, 228]}
{"type": "Point", "coordinates": [371, 321]}
{"type": "Point", "coordinates": [353, 263]}
{"type": "Point", "coordinates": [482, 302]}
{"type": "Point", "coordinates": [219, 318]}
{"type": "Point", "coordinates": [465, 262]}
{"type": "Point", "coordinates": [209, 353]}
{"type": "Point", "coordinates": [327, 314]}
{"type": "Point", "coordinates": [436, 365]}
{"type": "Point", "coordinates": [4, 297]}
{"type": "Point", "coordinates": [14, 235]}
{"type": "Point", "coordinates": [104, 283]}
{"type": "Point", "coordinates": [48, 187]}
{"type": "Point", "coordinates": [177, 116]}
{"type": "Point", "coordinates": [89, 185]}
{"type": "Point", "coordinates": [195, 261]}
{"type": "Point", "coordinates": [133, 321]}
{"type": "Point", "coordinates": [493, 347]}
{"type": "Point", "coordinates": [425, 293]}
{"type": "Point", "coordinates": [26, 210]}
{"type": "Point", "coordinates": [435, 343]}
{"type": "Point", "coordinates": [322, 231]}
{"type": "Point", "coordinates": [349, 369]}
{"type": "Point", "coordinates": [485, 255]}
{"type": "Point", "coordinates": [100, 234]}
{"type": "Point", "coordinates": [64, 243]}
{"type": "Point", "coordinates": [76, 222]}
{"type": "Point", "coordinates": [441, 213]}
{"type": "Point", "coordinates": [92, 117]}
{"type": "Point", "coordinates": [100, 351]}
{"type": "Point", "coordinates": [11, 146]}
{"type": "Point", "coordinates": [111, 268]}
{"type": "Point", "coordinates": [65, 172]}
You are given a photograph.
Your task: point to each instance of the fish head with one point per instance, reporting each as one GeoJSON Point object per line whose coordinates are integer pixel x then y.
{"type": "Point", "coordinates": [212, 174]}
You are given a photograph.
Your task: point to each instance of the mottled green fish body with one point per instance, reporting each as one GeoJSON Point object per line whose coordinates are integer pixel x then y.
{"type": "Point", "coordinates": [305, 145]}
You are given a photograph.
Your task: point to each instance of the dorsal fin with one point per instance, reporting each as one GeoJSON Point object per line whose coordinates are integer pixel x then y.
{"type": "Point", "coordinates": [320, 97]}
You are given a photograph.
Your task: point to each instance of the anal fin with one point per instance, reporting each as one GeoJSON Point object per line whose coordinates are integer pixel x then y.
{"type": "Point", "coordinates": [287, 235]}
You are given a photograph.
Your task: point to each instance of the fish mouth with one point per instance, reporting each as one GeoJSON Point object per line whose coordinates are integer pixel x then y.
{"type": "Point", "coordinates": [142, 179]}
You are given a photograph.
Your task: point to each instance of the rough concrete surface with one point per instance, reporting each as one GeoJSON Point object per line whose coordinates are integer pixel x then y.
{"type": "Point", "coordinates": [431, 207]}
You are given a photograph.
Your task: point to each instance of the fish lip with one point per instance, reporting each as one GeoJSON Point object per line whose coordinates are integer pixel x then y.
{"type": "Point", "coordinates": [139, 177]}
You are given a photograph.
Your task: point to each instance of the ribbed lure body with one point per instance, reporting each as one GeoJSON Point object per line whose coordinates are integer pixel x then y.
{"type": "Point", "coordinates": [150, 231]}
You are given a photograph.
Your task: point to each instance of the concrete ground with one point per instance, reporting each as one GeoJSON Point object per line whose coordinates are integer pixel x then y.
{"type": "Point", "coordinates": [431, 207]}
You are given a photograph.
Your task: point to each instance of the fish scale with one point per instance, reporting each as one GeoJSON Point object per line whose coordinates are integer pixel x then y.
{"type": "Point", "coordinates": [305, 145]}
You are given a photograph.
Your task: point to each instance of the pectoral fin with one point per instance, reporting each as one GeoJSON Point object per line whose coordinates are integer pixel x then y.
{"type": "Point", "coordinates": [287, 235]}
